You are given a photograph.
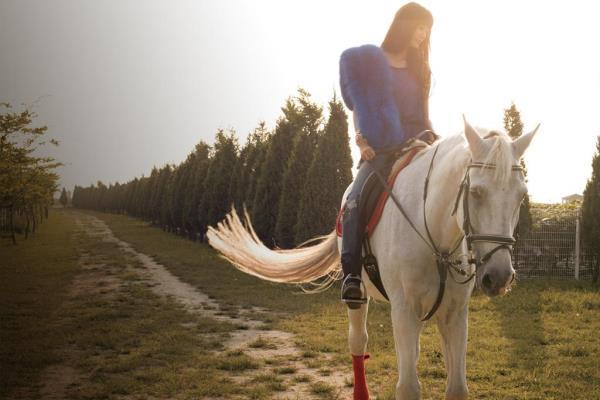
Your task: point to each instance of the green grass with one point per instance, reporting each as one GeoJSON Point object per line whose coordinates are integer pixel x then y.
{"type": "Point", "coordinates": [286, 370]}
{"type": "Point", "coordinates": [124, 340]}
{"type": "Point", "coordinates": [538, 342]}
{"type": "Point", "coordinates": [322, 389]}
{"type": "Point", "coordinates": [32, 288]}
{"type": "Point", "coordinates": [262, 343]}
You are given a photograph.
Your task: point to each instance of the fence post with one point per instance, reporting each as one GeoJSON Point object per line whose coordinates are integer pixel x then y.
{"type": "Point", "coordinates": [577, 248]}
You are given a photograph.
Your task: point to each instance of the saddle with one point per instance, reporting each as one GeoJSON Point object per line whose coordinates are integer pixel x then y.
{"type": "Point", "coordinates": [374, 202]}
{"type": "Point", "coordinates": [375, 194]}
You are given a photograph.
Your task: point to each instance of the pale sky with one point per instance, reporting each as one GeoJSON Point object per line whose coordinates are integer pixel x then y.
{"type": "Point", "coordinates": [125, 85]}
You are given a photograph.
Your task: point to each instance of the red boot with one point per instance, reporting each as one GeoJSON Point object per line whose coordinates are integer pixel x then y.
{"type": "Point", "coordinates": [361, 391]}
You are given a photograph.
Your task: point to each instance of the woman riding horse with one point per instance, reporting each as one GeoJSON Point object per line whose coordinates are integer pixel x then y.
{"type": "Point", "coordinates": [387, 88]}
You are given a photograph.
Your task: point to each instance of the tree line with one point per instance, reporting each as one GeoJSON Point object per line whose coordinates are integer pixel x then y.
{"type": "Point", "coordinates": [290, 179]}
{"type": "Point", "coordinates": [27, 182]}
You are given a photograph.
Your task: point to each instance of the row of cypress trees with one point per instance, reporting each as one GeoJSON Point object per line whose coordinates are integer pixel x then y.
{"type": "Point", "coordinates": [290, 179]}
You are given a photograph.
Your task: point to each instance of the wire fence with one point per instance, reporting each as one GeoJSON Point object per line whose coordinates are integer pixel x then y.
{"type": "Point", "coordinates": [553, 249]}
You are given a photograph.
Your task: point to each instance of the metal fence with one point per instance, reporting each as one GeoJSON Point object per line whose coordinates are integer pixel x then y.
{"type": "Point", "coordinates": [553, 249]}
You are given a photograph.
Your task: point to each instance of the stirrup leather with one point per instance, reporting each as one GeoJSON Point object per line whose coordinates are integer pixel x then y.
{"type": "Point", "coordinates": [355, 277]}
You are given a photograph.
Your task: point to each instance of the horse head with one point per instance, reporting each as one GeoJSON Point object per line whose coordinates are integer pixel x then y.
{"type": "Point", "coordinates": [493, 188]}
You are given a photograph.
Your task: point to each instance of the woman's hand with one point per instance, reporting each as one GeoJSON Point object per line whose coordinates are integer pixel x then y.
{"type": "Point", "coordinates": [366, 151]}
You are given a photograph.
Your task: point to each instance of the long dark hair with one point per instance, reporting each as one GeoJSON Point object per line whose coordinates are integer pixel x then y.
{"type": "Point", "coordinates": [398, 38]}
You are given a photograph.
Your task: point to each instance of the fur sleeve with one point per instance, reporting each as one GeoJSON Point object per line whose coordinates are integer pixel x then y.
{"type": "Point", "coordinates": [366, 88]}
{"type": "Point", "coordinates": [352, 86]}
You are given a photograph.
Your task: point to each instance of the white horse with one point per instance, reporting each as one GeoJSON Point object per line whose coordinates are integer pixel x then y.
{"type": "Point", "coordinates": [493, 186]}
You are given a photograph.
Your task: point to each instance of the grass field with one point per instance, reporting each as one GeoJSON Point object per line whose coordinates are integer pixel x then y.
{"type": "Point", "coordinates": [95, 330]}
{"type": "Point", "coordinates": [539, 342]}
{"type": "Point", "coordinates": [34, 276]}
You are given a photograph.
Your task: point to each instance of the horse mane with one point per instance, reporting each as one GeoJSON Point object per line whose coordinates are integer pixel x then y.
{"type": "Point", "coordinates": [457, 154]}
{"type": "Point", "coordinates": [500, 154]}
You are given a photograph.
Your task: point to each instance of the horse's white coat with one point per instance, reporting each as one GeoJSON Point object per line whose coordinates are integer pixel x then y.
{"type": "Point", "coordinates": [407, 266]}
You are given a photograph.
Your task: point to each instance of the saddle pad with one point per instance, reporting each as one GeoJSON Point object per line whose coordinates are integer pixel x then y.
{"type": "Point", "coordinates": [398, 166]}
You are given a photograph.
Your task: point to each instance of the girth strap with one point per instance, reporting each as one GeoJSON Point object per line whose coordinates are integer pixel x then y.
{"type": "Point", "coordinates": [441, 266]}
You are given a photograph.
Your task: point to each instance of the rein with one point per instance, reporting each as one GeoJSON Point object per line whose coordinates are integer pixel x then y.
{"type": "Point", "coordinates": [443, 258]}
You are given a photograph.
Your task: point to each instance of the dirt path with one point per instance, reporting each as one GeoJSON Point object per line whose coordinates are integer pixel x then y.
{"type": "Point", "coordinates": [254, 337]}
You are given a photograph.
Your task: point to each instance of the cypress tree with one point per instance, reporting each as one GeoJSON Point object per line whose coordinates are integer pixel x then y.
{"type": "Point", "coordinates": [294, 177]}
{"type": "Point", "coordinates": [108, 198]}
{"type": "Point", "coordinates": [180, 193]}
{"type": "Point", "coordinates": [245, 166]}
{"type": "Point", "coordinates": [163, 195]}
{"type": "Point", "coordinates": [130, 197]}
{"type": "Point", "coordinates": [329, 175]}
{"type": "Point", "coordinates": [514, 128]}
{"type": "Point", "coordinates": [236, 177]}
{"type": "Point", "coordinates": [172, 199]}
{"type": "Point", "coordinates": [265, 205]}
{"type": "Point", "coordinates": [101, 196]}
{"type": "Point", "coordinates": [591, 214]}
{"type": "Point", "coordinates": [147, 210]}
{"type": "Point", "coordinates": [199, 167]}
{"type": "Point", "coordinates": [255, 163]}
{"type": "Point", "coordinates": [63, 197]}
{"type": "Point", "coordinates": [115, 198]}
{"type": "Point", "coordinates": [142, 196]}
{"type": "Point", "coordinates": [215, 200]}
{"type": "Point", "coordinates": [153, 195]}
{"type": "Point", "coordinates": [76, 201]}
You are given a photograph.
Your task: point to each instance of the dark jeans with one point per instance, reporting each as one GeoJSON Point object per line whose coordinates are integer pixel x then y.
{"type": "Point", "coordinates": [355, 216]}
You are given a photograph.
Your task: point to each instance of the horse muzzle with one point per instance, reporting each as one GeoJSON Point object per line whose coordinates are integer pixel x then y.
{"type": "Point", "coordinates": [496, 279]}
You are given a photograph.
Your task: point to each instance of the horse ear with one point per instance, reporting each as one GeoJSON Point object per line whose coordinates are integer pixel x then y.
{"type": "Point", "coordinates": [472, 136]}
{"type": "Point", "coordinates": [522, 142]}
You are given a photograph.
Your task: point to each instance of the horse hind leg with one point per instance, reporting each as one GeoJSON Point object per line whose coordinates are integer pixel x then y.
{"type": "Point", "coordinates": [357, 340]}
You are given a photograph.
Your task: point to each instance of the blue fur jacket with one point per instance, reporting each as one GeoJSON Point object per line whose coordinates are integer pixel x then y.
{"type": "Point", "coordinates": [366, 88]}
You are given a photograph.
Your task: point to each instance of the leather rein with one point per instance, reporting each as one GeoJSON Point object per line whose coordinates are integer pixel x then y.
{"type": "Point", "coordinates": [443, 258]}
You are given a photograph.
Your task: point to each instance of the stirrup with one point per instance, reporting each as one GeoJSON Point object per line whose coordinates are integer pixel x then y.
{"type": "Point", "coordinates": [354, 303]}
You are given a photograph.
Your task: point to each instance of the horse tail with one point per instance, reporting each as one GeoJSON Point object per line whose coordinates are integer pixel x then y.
{"type": "Point", "coordinates": [241, 246]}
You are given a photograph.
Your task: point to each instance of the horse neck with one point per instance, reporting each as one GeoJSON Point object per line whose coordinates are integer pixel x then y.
{"type": "Point", "coordinates": [444, 184]}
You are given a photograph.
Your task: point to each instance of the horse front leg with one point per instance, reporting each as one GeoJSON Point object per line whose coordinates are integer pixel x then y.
{"type": "Point", "coordinates": [452, 324]}
{"type": "Point", "coordinates": [407, 328]}
{"type": "Point", "coordinates": [357, 340]}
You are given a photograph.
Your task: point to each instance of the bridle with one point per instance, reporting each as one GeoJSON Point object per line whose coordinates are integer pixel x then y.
{"type": "Point", "coordinates": [443, 258]}
{"type": "Point", "coordinates": [503, 242]}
